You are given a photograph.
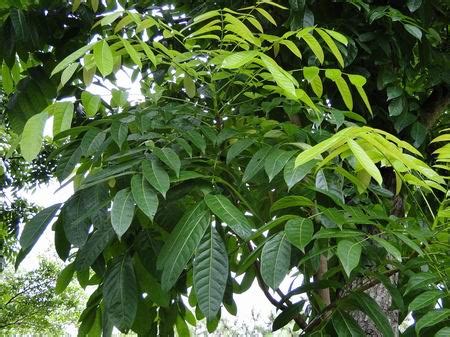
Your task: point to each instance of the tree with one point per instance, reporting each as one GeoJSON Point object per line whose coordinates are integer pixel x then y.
{"type": "Point", "coordinates": [30, 304]}
{"type": "Point", "coordinates": [271, 139]}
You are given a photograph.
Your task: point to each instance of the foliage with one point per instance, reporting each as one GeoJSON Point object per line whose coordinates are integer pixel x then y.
{"type": "Point", "coordinates": [30, 304]}
{"type": "Point", "coordinates": [271, 139]}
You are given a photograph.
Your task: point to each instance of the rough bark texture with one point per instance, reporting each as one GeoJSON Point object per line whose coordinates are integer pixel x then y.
{"type": "Point", "coordinates": [381, 295]}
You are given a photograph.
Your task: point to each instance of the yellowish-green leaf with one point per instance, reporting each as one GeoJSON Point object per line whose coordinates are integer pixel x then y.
{"type": "Point", "coordinates": [255, 23]}
{"type": "Point", "coordinates": [337, 36]}
{"type": "Point", "coordinates": [312, 43]}
{"type": "Point", "coordinates": [103, 57]}
{"type": "Point", "coordinates": [148, 52]}
{"type": "Point", "coordinates": [91, 103]}
{"type": "Point", "coordinates": [364, 160]}
{"type": "Point", "coordinates": [32, 136]}
{"type": "Point", "coordinates": [344, 90]}
{"type": "Point", "coordinates": [283, 81]}
{"type": "Point", "coordinates": [125, 21]}
{"type": "Point", "coordinates": [62, 113]}
{"type": "Point", "coordinates": [292, 47]}
{"type": "Point", "coordinates": [7, 81]}
{"type": "Point", "coordinates": [330, 43]}
{"type": "Point", "coordinates": [317, 87]}
{"type": "Point", "coordinates": [266, 15]}
{"type": "Point", "coordinates": [68, 73]}
{"type": "Point", "coordinates": [303, 96]}
{"type": "Point", "coordinates": [189, 86]}
{"type": "Point", "coordinates": [134, 55]}
{"type": "Point", "coordinates": [238, 27]}
{"type": "Point", "coordinates": [239, 59]}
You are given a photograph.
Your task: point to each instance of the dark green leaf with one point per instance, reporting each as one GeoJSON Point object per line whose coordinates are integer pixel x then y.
{"type": "Point", "coordinates": [181, 244]}
{"type": "Point", "coordinates": [275, 161]}
{"type": "Point", "coordinates": [238, 147]}
{"type": "Point", "coordinates": [120, 294]}
{"type": "Point", "coordinates": [287, 315]}
{"type": "Point", "coordinates": [168, 157]}
{"type": "Point", "coordinates": [345, 325]}
{"type": "Point", "coordinates": [229, 214]}
{"type": "Point", "coordinates": [256, 163]}
{"type": "Point", "coordinates": [144, 196]}
{"type": "Point", "coordinates": [292, 174]}
{"type": "Point", "coordinates": [299, 232]}
{"type": "Point", "coordinates": [64, 278]}
{"type": "Point", "coordinates": [275, 259]}
{"type": "Point", "coordinates": [210, 273]}
{"type": "Point", "coordinates": [122, 211]}
{"type": "Point", "coordinates": [156, 176]}
{"type": "Point", "coordinates": [423, 300]}
{"type": "Point", "coordinates": [349, 253]}
{"type": "Point", "coordinates": [119, 132]}
{"type": "Point", "coordinates": [431, 318]}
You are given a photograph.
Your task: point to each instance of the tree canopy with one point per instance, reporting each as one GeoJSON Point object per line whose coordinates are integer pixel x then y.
{"type": "Point", "coordinates": [301, 136]}
{"type": "Point", "coordinates": [31, 304]}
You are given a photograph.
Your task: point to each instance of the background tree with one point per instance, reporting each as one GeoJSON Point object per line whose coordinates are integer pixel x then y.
{"type": "Point", "coordinates": [29, 303]}
{"type": "Point", "coordinates": [261, 148]}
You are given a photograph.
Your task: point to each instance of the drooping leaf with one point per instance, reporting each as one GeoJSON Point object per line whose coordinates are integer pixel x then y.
{"type": "Point", "coordinates": [239, 59]}
{"type": "Point", "coordinates": [36, 226]}
{"type": "Point", "coordinates": [144, 196]}
{"type": "Point", "coordinates": [168, 157]}
{"type": "Point", "coordinates": [299, 232]}
{"type": "Point", "coordinates": [345, 325]}
{"type": "Point", "coordinates": [275, 161]}
{"type": "Point", "coordinates": [181, 244]}
{"type": "Point", "coordinates": [349, 253]}
{"type": "Point", "coordinates": [122, 211]}
{"type": "Point", "coordinates": [90, 102]}
{"type": "Point", "coordinates": [156, 176]}
{"type": "Point", "coordinates": [196, 139]}
{"type": "Point", "coordinates": [103, 58]}
{"type": "Point", "coordinates": [222, 207]}
{"type": "Point", "coordinates": [368, 306]}
{"type": "Point", "coordinates": [255, 164]}
{"type": "Point", "coordinates": [134, 55]}
{"type": "Point", "coordinates": [120, 293]}
{"type": "Point", "coordinates": [275, 259]}
{"type": "Point", "coordinates": [32, 136]}
{"type": "Point", "coordinates": [425, 299]}
{"type": "Point", "coordinates": [62, 113]}
{"type": "Point", "coordinates": [94, 246]}
{"type": "Point", "coordinates": [431, 318]}
{"type": "Point", "coordinates": [287, 315]}
{"type": "Point", "coordinates": [365, 161]}
{"type": "Point", "coordinates": [210, 273]}
{"type": "Point", "coordinates": [391, 249]}
{"type": "Point", "coordinates": [238, 147]}
{"type": "Point", "coordinates": [293, 174]}
{"type": "Point", "coordinates": [64, 278]}
{"type": "Point", "coordinates": [119, 132]}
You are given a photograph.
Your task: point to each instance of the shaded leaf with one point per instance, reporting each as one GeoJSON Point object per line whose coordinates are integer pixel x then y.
{"type": "Point", "coordinates": [122, 211]}
{"type": "Point", "coordinates": [275, 259]}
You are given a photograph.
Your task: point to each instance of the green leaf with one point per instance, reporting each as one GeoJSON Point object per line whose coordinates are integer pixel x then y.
{"type": "Point", "coordinates": [119, 133]}
{"type": "Point", "coordinates": [291, 201]}
{"type": "Point", "coordinates": [313, 44]}
{"type": "Point", "coordinates": [293, 174]}
{"type": "Point", "coordinates": [196, 139]}
{"type": "Point", "coordinates": [7, 81]}
{"type": "Point", "coordinates": [256, 163]}
{"type": "Point", "coordinates": [239, 59]}
{"type": "Point", "coordinates": [337, 36]}
{"type": "Point", "coordinates": [36, 226]}
{"type": "Point", "coordinates": [181, 244]}
{"type": "Point", "coordinates": [265, 14]}
{"type": "Point", "coordinates": [62, 113]}
{"type": "Point", "coordinates": [103, 58]}
{"type": "Point", "coordinates": [275, 259]}
{"type": "Point", "coordinates": [420, 281]}
{"type": "Point", "coordinates": [156, 176]}
{"type": "Point", "coordinates": [368, 305]}
{"type": "Point", "coordinates": [20, 25]}
{"type": "Point", "coordinates": [413, 30]}
{"type": "Point", "coordinates": [299, 232]}
{"type": "Point", "coordinates": [444, 332]}
{"type": "Point", "coordinates": [64, 278]}
{"type": "Point", "coordinates": [396, 107]}
{"type": "Point", "coordinates": [149, 284]}
{"type": "Point", "coordinates": [134, 55]}
{"type": "Point", "coordinates": [91, 103]}
{"type": "Point", "coordinates": [68, 73]}
{"type": "Point", "coordinates": [181, 327]}
{"type": "Point", "coordinates": [426, 299]}
{"type": "Point", "coordinates": [222, 207]}
{"type": "Point", "coordinates": [32, 136]}
{"type": "Point", "coordinates": [144, 196]}
{"type": "Point", "coordinates": [120, 294]}
{"type": "Point", "coordinates": [328, 233]}
{"type": "Point", "coordinates": [168, 157]}
{"type": "Point", "coordinates": [413, 5]}
{"type": "Point", "coordinates": [71, 58]}
{"type": "Point", "coordinates": [237, 148]}
{"type": "Point", "coordinates": [279, 75]}
{"type": "Point", "coordinates": [364, 160]}
{"type": "Point", "coordinates": [275, 161]}
{"type": "Point", "coordinates": [344, 90]}
{"type": "Point", "coordinates": [345, 325]}
{"type": "Point", "coordinates": [310, 73]}
{"type": "Point", "coordinates": [431, 318]}
{"type": "Point", "coordinates": [332, 45]}
{"type": "Point", "coordinates": [391, 249]}
{"type": "Point", "coordinates": [292, 47]}
{"type": "Point", "coordinates": [349, 253]}
{"type": "Point", "coordinates": [92, 141]}
{"type": "Point", "coordinates": [210, 273]}
{"type": "Point", "coordinates": [287, 315]}
{"type": "Point", "coordinates": [189, 86]}
{"type": "Point", "coordinates": [122, 211]}
{"type": "Point", "coordinates": [94, 247]}
{"type": "Point", "coordinates": [236, 26]}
